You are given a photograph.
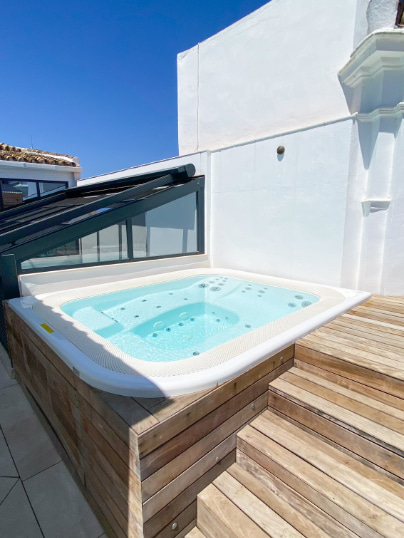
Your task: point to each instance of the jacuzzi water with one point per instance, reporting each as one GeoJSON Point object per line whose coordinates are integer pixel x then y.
{"type": "Point", "coordinates": [179, 319]}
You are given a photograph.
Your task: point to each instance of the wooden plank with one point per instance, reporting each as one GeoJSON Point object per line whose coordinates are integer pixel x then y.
{"type": "Point", "coordinates": [175, 446]}
{"type": "Point", "coordinates": [360, 405]}
{"type": "Point", "coordinates": [155, 437]}
{"type": "Point", "coordinates": [389, 399]}
{"type": "Point", "coordinates": [369, 331]}
{"type": "Point", "coordinates": [352, 370]}
{"type": "Point", "coordinates": [253, 507]}
{"type": "Point", "coordinates": [378, 315]}
{"type": "Point", "coordinates": [175, 507]}
{"type": "Point", "coordinates": [285, 512]}
{"type": "Point", "coordinates": [334, 499]}
{"type": "Point", "coordinates": [292, 499]}
{"type": "Point", "coordinates": [188, 477]}
{"type": "Point", "coordinates": [340, 435]}
{"type": "Point", "coordinates": [128, 528]}
{"type": "Point", "coordinates": [133, 414]}
{"type": "Point", "coordinates": [105, 509]}
{"type": "Point", "coordinates": [195, 533]}
{"type": "Point", "coordinates": [188, 528]}
{"type": "Point", "coordinates": [382, 349]}
{"type": "Point", "coordinates": [394, 329]}
{"type": "Point", "coordinates": [218, 516]}
{"type": "Point", "coordinates": [364, 397]}
{"type": "Point", "coordinates": [182, 524]}
{"type": "Point", "coordinates": [163, 410]}
{"type": "Point", "coordinates": [369, 484]}
{"type": "Point", "coordinates": [120, 491]}
{"type": "Point", "coordinates": [389, 439]}
{"type": "Point", "coordinates": [379, 310]}
{"type": "Point", "coordinates": [333, 345]}
{"type": "Point", "coordinates": [185, 459]}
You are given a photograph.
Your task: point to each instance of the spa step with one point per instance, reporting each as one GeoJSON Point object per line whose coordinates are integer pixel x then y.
{"type": "Point", "coordinates": [360, 347]}
{"type": "Point", "coordinates": [334, 491]}
{"type": "Point", "coordinates": [237, 504]}
{"type": "Point", "coordinates": [362, 424]}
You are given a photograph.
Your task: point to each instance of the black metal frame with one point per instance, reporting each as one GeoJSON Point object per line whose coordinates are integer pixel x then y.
{"type": "Point", "coordinates": [104, 220]}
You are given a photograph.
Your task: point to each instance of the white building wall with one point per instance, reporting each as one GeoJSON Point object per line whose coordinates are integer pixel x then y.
{"type": "Point", "coordinates": [273, 71]}
{"type": "Point", "coordinates": [41, 172]}
{"type": "Point", "coordinates": [283, 215]}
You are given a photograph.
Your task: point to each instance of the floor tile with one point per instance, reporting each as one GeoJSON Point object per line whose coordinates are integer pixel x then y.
{"type": "Point", "coordinates": [60, 506]}
{"type": "Point", "coordinates": [5, 380]}
{"type": "Point", "coordinates": [6, 484]}
{"type": "Point", "coordinates": [16, 517]}
{"type": "Point", "coordinates": [29, 443]}
{"type": "Point", "coordinates": [7, 467]}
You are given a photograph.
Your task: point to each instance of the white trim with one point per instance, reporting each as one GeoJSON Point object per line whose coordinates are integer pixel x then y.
{"type": "Point", "coordinates": [380, 51]}
{"type": "Point", "coordinates": [394, 112]}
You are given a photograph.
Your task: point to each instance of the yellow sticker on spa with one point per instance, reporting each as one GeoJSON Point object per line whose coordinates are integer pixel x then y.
{"type": "Point", "coordinates": [47, 328]}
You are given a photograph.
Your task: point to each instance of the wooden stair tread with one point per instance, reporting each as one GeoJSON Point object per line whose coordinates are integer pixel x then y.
{"type": "Point", "coordinates": [358, 388]}
{"type": "Point", "coordinates": [195, 533]}
{"type": "Point", "coordinates": [253, 507]}
{"type": "Point", "coordinates": [349, 472]}
{"type": "Point", "coordinates": [369, 331]}
{"type": "Point", "coordinates": [365, 427]}
{"type": "Point", "coordinates": [350, 399]}
{"type": "Point", "coordinates": [353, 368]}
{"type": "Point", "coordinates": [295, 500]}
{"type": "Point", "coordinates": [350, 357]}
{"type": "Point", "coordinates": [218, 512]}
{"type": "Point", "coordinates": [361, 341]}
{"type": "Point", "coordinates": [280, 506]}
{"type": "Point", "coordinates": [347, 351]}
{"type": "Point", "coordinates": [345, 505]}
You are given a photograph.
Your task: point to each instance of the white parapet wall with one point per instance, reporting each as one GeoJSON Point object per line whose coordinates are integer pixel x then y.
{"type": "Point", "coordinates": [273, 71]}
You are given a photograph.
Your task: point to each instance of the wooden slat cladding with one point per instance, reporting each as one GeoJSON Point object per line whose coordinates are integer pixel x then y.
{"type": "Point", "coordinates": [143, 461]}
{"type": "Point", "coordinates": [365, 346]}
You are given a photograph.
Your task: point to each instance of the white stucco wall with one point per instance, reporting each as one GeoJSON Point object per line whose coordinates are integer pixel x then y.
{"type": "Point", "coordinates": [273, 71]}
{"type": "Point", "coordinates": [283, 216]}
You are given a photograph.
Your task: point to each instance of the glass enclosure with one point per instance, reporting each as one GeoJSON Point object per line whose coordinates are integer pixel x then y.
{"type": "Point", "coordinates": [168, 230]}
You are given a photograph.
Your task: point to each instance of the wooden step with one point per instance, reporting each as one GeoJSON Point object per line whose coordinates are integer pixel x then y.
{"type": "Point", "coordinates": [195, 533]}
{"type": "Point", "coordinates": [293, 499]}
{"type": "Point", "coordinates": [360, 499]}
{"type": "Point", "coordinates": [371, 429]}
{"type": "Point", "coordinates": [239, 504]}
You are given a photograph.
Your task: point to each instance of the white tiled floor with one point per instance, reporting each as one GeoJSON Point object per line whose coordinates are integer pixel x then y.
{"type": "Point", "coordinates": [38, 496]}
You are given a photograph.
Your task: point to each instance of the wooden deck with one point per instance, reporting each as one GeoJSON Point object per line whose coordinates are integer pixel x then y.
{"type": "Point", "coordinates": [327, 456]}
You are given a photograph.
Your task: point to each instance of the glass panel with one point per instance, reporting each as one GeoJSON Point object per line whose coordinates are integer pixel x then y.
{"type": "Point", "coordinates": [46, 187]}
{"type": "Point", "coordinates": [109, 244]}
{"type": "Point", "coordinates": [166, 230]}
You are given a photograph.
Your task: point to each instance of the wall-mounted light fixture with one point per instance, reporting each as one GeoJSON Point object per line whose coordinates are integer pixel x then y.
{"type": "Point", "coordinates": [280, 150]}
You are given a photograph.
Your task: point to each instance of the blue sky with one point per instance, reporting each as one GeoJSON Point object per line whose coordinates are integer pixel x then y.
{"type": "Point", "coordinates": [97, 79]}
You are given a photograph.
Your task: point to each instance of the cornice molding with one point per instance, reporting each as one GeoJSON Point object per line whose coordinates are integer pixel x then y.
{"type": "Point", "coordinates": [380, 51]}
{"type": "Point", "coordinates": [394, 112]}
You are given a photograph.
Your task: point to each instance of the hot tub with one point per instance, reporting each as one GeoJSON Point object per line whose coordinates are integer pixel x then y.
{"type": "Point", "coordinates": [181, 332]}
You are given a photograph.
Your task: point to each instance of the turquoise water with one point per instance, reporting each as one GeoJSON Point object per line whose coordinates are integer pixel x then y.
{"type": "Point", "coordinates": [178, 319]}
